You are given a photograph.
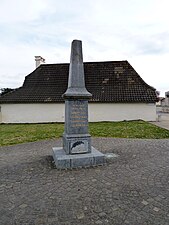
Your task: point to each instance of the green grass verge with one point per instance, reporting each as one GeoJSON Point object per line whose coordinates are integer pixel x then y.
{"type": "Point", "coordinates": [20, 133]}
{"type": "Point", "coordinates": [128, 129]}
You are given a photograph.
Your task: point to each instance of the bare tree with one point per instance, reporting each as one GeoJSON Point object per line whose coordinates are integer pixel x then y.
{"type": "Point", "coordinates": [4, 91]}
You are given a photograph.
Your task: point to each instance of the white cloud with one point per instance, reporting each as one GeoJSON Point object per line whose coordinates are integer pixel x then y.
{"type": "Point", "coordinates": [21, 10]}
{"type": "Point", "coordinates": [131, 30]}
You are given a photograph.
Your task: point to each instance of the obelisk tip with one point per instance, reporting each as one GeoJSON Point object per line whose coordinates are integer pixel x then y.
{"type": "Point", "coordinates": [76, 82]}
{"type": "Point", "coordinates": [76, 40]}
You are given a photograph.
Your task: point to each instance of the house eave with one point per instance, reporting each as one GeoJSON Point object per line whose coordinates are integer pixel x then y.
{"type": "Point", "coordinates": [57, 102]}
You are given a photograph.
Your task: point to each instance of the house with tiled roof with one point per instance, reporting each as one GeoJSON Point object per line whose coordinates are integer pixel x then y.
{"type": "Point", "coordinates": [118, 93]}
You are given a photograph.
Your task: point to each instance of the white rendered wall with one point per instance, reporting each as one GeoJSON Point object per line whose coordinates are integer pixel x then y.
{"type": "Point", "coordinates": [32, 113]}
{"type": "Point", "coordinates": [39, 113]}
{"type": "Point", "coordinates": [122, 111]}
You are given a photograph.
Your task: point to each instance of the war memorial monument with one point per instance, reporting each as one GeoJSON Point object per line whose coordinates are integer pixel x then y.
{"type": "Point", "coordinates": [77, 150]}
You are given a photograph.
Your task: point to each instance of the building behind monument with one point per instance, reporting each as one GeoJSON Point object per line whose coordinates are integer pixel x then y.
{"type": "Point", "coordinates": [118, 93]}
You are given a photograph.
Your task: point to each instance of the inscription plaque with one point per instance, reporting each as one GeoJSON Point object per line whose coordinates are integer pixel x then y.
{"type": "Point", "coordinates": [78, 114]}
{"type": "Point", "coordinates": [76, 117]}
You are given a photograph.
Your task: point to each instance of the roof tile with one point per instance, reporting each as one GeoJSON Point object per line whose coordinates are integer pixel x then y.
{"type": "Point", "coordinates": [113, 81]}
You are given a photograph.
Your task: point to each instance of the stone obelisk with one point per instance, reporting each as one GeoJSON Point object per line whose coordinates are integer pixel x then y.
{"type": "Point", "coordinates": [77, 150]}
{"type": "Point", "coordinates": [76, 138]}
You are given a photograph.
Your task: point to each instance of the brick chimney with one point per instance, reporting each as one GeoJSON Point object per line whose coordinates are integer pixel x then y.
{"type": "Point", "coordinates": [39, 60]}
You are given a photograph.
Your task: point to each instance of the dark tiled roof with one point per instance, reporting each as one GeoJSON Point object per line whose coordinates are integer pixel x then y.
{"type": "Point", "coordinates": [114, 81]}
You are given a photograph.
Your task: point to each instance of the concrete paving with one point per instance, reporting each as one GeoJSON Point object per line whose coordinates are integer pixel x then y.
{"type": "Point", "coordinates": [131, 189]}
{"type": "Point", "coordinates": [163, 121]}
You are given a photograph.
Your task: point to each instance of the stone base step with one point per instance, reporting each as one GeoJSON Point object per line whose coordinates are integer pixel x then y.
{"type": "Point", "coordinates": [63, 161]}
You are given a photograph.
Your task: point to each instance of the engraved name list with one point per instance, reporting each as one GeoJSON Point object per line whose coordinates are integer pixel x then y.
{"type": "Point", "coordinates": [79, 114]}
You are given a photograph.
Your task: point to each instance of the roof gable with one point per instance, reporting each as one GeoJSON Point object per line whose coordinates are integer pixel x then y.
{"type": "Point", "coordinates": [113, 81]}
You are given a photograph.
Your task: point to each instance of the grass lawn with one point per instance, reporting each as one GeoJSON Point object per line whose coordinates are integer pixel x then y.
{"type": "Point", "coordinates": [19, 133]}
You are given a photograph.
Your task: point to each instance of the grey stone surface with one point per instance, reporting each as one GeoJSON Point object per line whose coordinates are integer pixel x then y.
{"type": "Point", "coordinates": [74, 144]}
{"type": "Point", "coordinates": [131, 189]}
{"type": "Point", "coordinates": [64, 161]}
{"type": "Point", "coordinates": [76, 83]}
{"type": "Point", "coordinates": [81, 161]}
{"type": "Point", "coordinates": [76, 139]}
{"type": "Point", "coordinates": [76, 116]}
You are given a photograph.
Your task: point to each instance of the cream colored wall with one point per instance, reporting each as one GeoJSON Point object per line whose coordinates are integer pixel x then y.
{"type": "Point", "coordinates": [39, 113]}
{"type": "Point", "coordinates": [120, 112]}
{"type": "Point", "coordinates": [32, 113]}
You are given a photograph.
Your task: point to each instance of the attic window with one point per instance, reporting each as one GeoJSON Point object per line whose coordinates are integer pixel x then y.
{"type": "Point", "coordinates": [105, 80]}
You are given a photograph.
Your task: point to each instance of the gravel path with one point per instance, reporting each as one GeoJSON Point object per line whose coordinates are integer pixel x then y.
{"type": "Point", "coordinates": [131, 189]}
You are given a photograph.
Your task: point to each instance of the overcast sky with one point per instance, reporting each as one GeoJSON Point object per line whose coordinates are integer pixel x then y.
{"type": "Point", "coordinates": [133, 30]}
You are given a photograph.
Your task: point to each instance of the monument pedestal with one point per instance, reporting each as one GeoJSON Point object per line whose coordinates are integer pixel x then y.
{"type": "Point", "coordinates": [64, 161]}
